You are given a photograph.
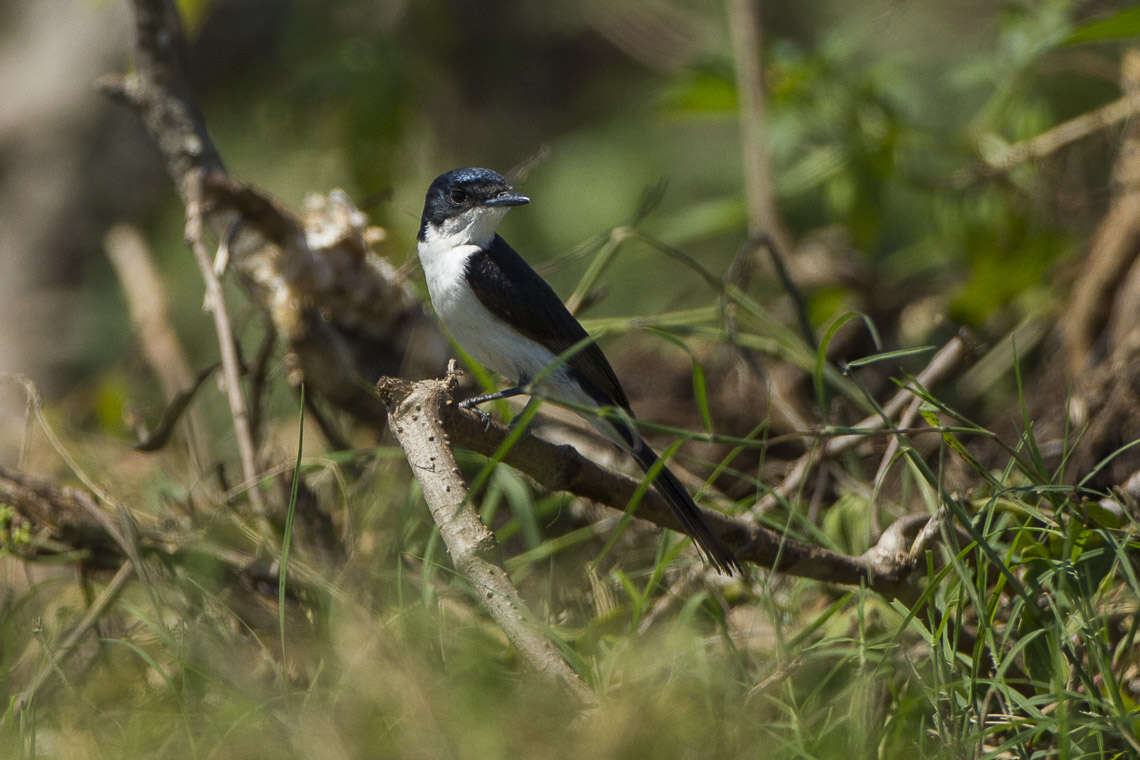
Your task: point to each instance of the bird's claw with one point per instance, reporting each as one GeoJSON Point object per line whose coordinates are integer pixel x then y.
{"type": "Point", "coordinates": [485, 418]}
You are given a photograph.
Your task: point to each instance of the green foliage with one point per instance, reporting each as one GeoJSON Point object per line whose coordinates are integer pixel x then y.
{"type": "Point", "coordinates": [1122, 25]}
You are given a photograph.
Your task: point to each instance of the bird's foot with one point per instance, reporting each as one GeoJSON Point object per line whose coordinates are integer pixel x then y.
{"type": "Point", "coordinates": [483, 416]}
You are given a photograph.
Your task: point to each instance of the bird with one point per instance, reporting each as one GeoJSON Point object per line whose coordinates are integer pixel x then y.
{"type": "Point", "coordinates": [509, 319]}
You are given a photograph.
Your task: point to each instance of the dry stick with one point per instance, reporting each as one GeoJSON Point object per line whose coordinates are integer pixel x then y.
{"type": "Point", "coordinates": [893, 541]}
{"type": "Point", "coordinates": [747, 36]}
{"type": "Point", "coordinates": [416, 421]}
{"type": "Point", "coordinates": [87, 504]}
{"type": "Point", "coordinates": [70, 515]}
{"type": "Point", "coordinates": [888, 457]}
{"type": "Point", "coordinates": [60, 513]}
{"type": "Point", "coordinates": [940, 365]}
{"type": "Point", "coordinates": [160, 92]}
{"type": "Point", "coordinates": [1070, 131]}
{"type": "Point", "coordinates": [561, 468]}
{"type": "Point", "coordinates": [125, 534]}
{"type": "Point", "coordinates": [94, 612]}
{"type": "Point", "coordinates": [675, 594]}
{"type": "Point", "coordinates": [1113, 246]}
{"type": "Point", "coordinates": [231, 369]}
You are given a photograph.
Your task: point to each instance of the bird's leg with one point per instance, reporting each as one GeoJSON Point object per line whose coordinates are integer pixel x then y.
{"type": "Point", "coordinates": [505, 393]}
{"type": "Point", "coordinates": [485, 418]}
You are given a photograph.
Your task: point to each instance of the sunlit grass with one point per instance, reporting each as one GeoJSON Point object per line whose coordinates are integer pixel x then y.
{"type": "Point", "coordinates": [1019, 640]}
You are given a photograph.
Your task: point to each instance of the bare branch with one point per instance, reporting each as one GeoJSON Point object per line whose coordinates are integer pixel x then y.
{"type": "Point", "coordinates": [71, 518]}
{"type": "Point", "coordinates": [1065, 133]}
{"type": "Point", "coordinates": [1114, 246]}
{"type": "Point", "coordinates": [747, 37]}
{"type": "Point", "coordinates": [561, 468]}
{"type": "Point", "coordinates": [61, 513]}
{"type": "Point", "coordinates": [417, 419]}
{"type": "Point", "coordinates": [231, 369]}
{"type": "Point", "coordinates": [889, 455]}
{"type": "Point", "coordinates": [101, 604]}
{"type": "Point", "coordinates": [346, 315]}
{"type": "Point", "coordinates": [940, 365]}
{"type": "Point", "coordinates": [160, 91]}
{"type": "Point", "coordinates": [258, 375]}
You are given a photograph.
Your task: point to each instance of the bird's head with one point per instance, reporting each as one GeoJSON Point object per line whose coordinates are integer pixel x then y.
{"type": "Point", "coordinates": [466, 206]}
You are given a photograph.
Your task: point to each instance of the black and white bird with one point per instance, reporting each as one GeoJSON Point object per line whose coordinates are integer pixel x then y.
{"type": "Point", "coordinates": [509, 319]}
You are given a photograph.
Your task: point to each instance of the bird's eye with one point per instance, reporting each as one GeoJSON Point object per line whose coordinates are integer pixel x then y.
{"type": "Point", "coordinates": [458, 196]}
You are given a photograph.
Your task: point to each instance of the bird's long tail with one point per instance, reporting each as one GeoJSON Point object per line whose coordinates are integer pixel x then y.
{"type": "Point", "coordinates": [619, 427]}
{"type": "Point", "coordinates": [687, 511]}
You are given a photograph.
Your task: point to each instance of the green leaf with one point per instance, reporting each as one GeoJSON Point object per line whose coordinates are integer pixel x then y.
{"type": "Point", "coordinates": [287, 538]}
{"type": "Point", "coordinates": [700, 390]}
{"type": "Point", "coordinates": [888, 355]}
{"type": "Point", "coordinates": [703, 92]}
{"type": "Point", "coordinates": [1103, 516]}
{"type": "Point", "coordinates": [821, 353]}
{"type": "Point", "coordinates": [1121, 25]}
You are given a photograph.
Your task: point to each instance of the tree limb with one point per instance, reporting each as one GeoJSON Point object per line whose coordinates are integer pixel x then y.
{"type": "Point", "coordinates": [561, 468]}
{"type": "Point", "coordinates": [227, 343]}
{"type": "Point", "coordinates": [417, 412]}
{"type": "Point", "coordinates": [71, 518]}
{"type": "Point", "coordinates": [1115, 244]}
{"type": "Point", "coordinates": [1065, 133]}
{"type": "Point", "coordinates": [747, 36]}
{"type": "Point", "coordinates": [345, 313]}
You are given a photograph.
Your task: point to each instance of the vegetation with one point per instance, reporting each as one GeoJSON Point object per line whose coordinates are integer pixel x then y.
{"type": "Point", "coordinates": [921, 369]}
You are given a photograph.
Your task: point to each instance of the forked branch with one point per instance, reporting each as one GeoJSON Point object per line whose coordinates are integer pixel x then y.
{"type": "Point", "coordinates": [561, 468]}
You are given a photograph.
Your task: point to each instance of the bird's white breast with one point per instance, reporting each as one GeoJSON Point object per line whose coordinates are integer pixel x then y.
{"type": "Point", "coordinates": [490, 340]}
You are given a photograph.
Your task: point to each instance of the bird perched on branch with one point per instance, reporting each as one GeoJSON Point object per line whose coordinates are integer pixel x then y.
{"type": "Point", "coordinates": [508, 318]}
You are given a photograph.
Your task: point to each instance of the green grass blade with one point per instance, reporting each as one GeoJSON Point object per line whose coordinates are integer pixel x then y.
{"type": "Point", "coordinates": [287, 538]}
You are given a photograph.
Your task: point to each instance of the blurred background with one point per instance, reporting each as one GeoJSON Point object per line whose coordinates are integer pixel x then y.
{"type": "Point", "coordinates": [876, 116]}
{"type": "Point", "coordinates": [893, 143]}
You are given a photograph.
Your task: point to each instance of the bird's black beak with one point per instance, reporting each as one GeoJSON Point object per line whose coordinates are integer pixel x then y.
{"type": "Point", "coordinates": [507, 198]}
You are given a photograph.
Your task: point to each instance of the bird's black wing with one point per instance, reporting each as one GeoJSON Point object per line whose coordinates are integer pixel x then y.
{"type": "Point", "coordinates": [510, 289]}
{"type": "Point", "coordinates": [507, 286]}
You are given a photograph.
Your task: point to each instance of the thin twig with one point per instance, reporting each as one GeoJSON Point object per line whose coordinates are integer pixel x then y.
{"type": "Point", "coordinates": [227, 344]}
{"type": "Point", "coordinates": [740, 271]}
{"type": "Point", "coordinates": [157, 436]}
{"type": "Point", "coordinates": [941, 364]}
{"type": "Point", "coordinates": [70, 516]}
{"type": "Point", "coordinates": [87, 504]}
{"type": "Point", "coordinates": [889, 456]}
{"type": "Point", "coordinates": [747, 39]}
{"type": "Point", "coordinates": [776, 253]}
{"type": "Point", "coordinates": [337, 440]}
{"type": "Point", "coordinates": [101, 604]}
{"type": "Point", "coordinates": [1113, 247]}
{"type": "Point", "coordinates": [1067, 132]}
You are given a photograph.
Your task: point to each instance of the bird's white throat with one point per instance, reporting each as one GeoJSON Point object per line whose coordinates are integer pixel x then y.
{"type": "Point", "coordinates": [475, 226]}
{"type": "Point", "coordinates": [444, 252]}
